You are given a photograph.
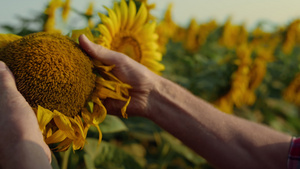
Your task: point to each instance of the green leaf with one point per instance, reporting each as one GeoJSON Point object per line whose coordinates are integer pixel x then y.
{"type": "Point", "coordinates": [111, 124]}
{"type": "Point", "coordinates": [108, 156]}
{"type": "Point", "coordinates": [180, 148]}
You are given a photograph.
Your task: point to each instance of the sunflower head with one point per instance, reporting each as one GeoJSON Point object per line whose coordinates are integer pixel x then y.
{"type": "Point", "coordinates": [51, 71]}
{"type": "Point", "coordinates": [127, 30]}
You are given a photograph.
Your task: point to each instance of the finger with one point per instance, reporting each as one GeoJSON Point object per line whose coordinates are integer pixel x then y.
{"type": "Point", "coordinates": [106, 56]}
{"type": "Point", "coordinates": [7, 81]}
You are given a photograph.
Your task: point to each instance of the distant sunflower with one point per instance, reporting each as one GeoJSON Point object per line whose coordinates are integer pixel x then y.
{"type": "Point", "coordinates": [66, 9]}
{"type": "Point", "coordinates": [126, 30]}
{"type": "Point", "coordinates": [192, 35]}
{"type": "Point", "coordinates": [292, 92]}
{"type": "Point", "coordinates": [233, 35]}
{"type": "Point", "coordinates": [58, 80]}
{"type": "Point", "coordinates": [49, 25]}
{"type": "Point", "coordinates": [237, 95]}
{"type": "Point", "coordinates": [89, 13]}
{"type": "Point", "coordinates": [166, 29]}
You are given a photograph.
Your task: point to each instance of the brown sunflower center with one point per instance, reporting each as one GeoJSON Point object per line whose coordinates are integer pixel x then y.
{"type": "Point", "coordinates": [51, 71]}
{"type": "Point", "coordinates": [128, 46]}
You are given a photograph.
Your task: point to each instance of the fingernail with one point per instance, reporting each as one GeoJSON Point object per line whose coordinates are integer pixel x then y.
{"type": "Point", "coordinates": [2, 66]}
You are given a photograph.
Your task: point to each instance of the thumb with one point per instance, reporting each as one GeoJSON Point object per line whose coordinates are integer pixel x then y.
{"type": "Point", "coordinates": [98, 52]}
{"type": "Point", "coordinates": [7, 81]}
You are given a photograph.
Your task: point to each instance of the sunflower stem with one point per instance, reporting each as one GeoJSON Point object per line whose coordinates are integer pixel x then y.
{"type": "Point", "coordinates": [66, 159]}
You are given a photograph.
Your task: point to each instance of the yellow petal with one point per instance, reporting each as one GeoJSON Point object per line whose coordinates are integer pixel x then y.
{"type": "Point", "coordinates": [141, 17]}
{"type": "Point", "coordinates": [124, 14]}
{"type": "Point", "coordinates": [99, 113]}
{"type": "Point", "coordinates": [104, 93]}
{"type": "Point", "coordinates": [78, 144]}
{"type": "Point", "coordinates": [131, 14]}
{"type": "Point", "coordinates": [57, 137]}
{"type": "Point", "coordinates": [105, 32]}
{"type": "Point", "coordinates": [6, 38]}
{"type": "Point", "coordinates": [78, 127]}
{"type": "Point", "coordinates": [118, 13]}
{"type": "Point", "coordinates": [99, 65]}
{"type": "Point", "coordinates": [44, 116]}
{"type": "Point", "coordinates": [100, 134]}
{"type": "Point", "coordinates": [87, 117]}
{"type": "Point", "coordinates": [64, 145]}
{"type": "Point", "coordinates": [86, 31]}
{"type": "Point", "coordinates": [151, 46]}
{"type": "Point", "coordinates": [124, 108]}
{"type": "Point", "coordinates": [153, 55]}
{"type": "Point", "coordinates": [108, 23]}
{"type": "Point", "coordinates": [152, 64]}
{"type": "Point", "coordinates": [113, 18]}
{"type": "Point", "coordinates": [64, 124]}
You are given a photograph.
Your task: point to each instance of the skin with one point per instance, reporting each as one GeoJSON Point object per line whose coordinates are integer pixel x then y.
{"type": "Point", "coordinates": [21, 143]}
{"type": "Point", "coordinates": [224, 140]}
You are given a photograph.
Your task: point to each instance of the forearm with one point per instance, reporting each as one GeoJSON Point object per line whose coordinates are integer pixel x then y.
{"type": "Point", "coordinates": [224, 140]}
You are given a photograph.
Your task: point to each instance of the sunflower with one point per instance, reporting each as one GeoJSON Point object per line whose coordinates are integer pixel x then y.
{"type": "Point", "coordinates": [292, 32]}
{"type": "Point", "coordinates": [237, 95]}
{"type": "Point", "coordinates": [126, 30]}
{"type": "Point", "coordinates": [192, 35]}
{"type": "Point", "coordinates": [89, 13]}
{"type": "Point", "coordinates": [49, 25]}
{"type": "Point", "coordinates": [292, 92]}
{"type": "Point", "coordinates": [166, 29]}
{"type": "Point", "coordinates": [66, 9]}
{"type": "Point", "coordinates": [59, 82]}
{"type": "Point", "coordinates": [258, 71]}
{"type": "Point", "coordinates": [233, 35]}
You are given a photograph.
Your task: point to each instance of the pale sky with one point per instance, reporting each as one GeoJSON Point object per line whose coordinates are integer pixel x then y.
{"type": "Point", "coordinates": [241, 11]}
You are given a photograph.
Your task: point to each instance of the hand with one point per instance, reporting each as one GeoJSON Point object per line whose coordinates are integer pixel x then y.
{"type": "Point", "coordinates": [128, 71]}
{"type": "Point", "coordinates": [18, 122]}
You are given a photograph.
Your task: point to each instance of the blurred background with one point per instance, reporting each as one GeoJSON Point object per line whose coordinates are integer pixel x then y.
{"type": "Point", "coordinates": [241, 56]}
{"type": "Point", "coordinates": [243, 11]}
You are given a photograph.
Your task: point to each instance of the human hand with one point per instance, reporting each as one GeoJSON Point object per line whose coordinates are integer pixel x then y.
{"type": "Point", "coordinates": [18, 122]}
{"type": "Point", "coordinates": [128, 71]}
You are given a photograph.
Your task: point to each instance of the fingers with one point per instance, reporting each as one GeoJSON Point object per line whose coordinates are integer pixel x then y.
{"type": "Point", "coordinates": [106, 56]}
{"type": "Point", "coordinates": [7, 81]}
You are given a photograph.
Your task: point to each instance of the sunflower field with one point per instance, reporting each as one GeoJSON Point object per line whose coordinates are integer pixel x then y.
{"type": "Point", "coordinates": [253, 74]}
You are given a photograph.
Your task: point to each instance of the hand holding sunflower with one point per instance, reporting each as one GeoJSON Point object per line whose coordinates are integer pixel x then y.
{"type": "Point", "coordinates": [140, 78]}
{"type": "Point", "coordinates": [19, 137]}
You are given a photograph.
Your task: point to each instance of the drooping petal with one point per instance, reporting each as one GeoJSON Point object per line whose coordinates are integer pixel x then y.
{"type": "Point", "coordinates": [64, 145]}
{"type": "Point", "coordinates": [64, 124]}
{"type": "Point", "coordinates": [124, 108]}
{"type": "Point", "coordinates": [99, 113]}
{"type": "Point", "coordinates": [56, 137]}
{"type": "Point", "coordinates": [104, 93]}
{"type": "Point", "coordinates": [44, 116]}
